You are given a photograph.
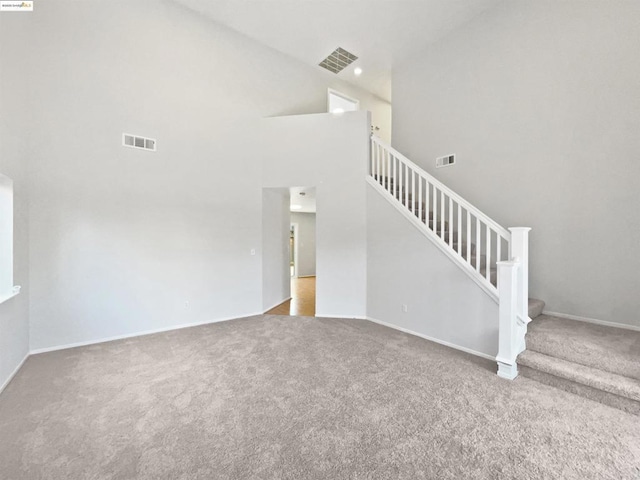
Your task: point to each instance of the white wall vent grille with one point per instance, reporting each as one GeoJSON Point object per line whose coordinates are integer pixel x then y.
{"type": "Point", "coordinates": [445, 161]}
{"type": "Point", "coordinates": [338, 60]}
{"type": "Point", "coordinates": [135, 141]}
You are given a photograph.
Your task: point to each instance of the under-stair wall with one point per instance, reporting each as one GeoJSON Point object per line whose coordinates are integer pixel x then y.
{"type": "Point", "coordinates": [404, 268]}
{"type": "Point", "coordinates": [494, 258]}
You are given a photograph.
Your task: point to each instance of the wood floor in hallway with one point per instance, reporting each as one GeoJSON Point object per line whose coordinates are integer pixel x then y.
{"type": "Point", "coordinates": [303, 299]}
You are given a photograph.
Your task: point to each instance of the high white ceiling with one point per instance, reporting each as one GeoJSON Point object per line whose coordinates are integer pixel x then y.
{"type": "Point", "coordinates": [380, 32]}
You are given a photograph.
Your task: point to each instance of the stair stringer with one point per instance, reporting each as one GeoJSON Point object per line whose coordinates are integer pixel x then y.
{"type": "Point", "coordinates": [436, 240]}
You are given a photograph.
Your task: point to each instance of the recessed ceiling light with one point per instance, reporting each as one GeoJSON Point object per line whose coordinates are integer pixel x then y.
{"type": "Point", "coordinates": [357, 71]}
{"type": "Point", "coordinates": [296, 207]}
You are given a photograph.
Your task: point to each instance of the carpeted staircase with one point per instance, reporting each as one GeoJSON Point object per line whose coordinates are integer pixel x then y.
{"type": "Point", "coordinates": [598, 362]}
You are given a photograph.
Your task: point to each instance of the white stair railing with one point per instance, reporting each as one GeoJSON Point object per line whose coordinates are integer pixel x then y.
{"type": "Point", "coordinates": [488, 252]}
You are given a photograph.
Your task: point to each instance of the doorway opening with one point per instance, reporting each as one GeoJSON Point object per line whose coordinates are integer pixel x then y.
{"type": "Point", "coordinates": [301, 260]}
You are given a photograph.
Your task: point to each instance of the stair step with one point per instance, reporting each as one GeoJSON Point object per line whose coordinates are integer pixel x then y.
{"type": "Point", "coordinates": [610, 389]}
{"type": "Point", "coordinates": [610, 349]}
{"type": "Point", "coordinates": [535, 307]}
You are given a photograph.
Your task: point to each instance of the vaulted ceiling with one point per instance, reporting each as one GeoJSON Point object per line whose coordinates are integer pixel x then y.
{"type": "Point", "coordinates": [382, 33]}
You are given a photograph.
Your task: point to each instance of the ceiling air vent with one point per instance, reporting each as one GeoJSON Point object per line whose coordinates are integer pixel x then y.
{"type": "Point", "coordinates": [445, 161]}
{"type": "Point", "coordinates": [338, 60]}
{"type": "Point", "coordinates": [134, 141]}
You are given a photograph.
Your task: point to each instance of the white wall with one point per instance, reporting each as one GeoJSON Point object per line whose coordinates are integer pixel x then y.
{"type": "Point", "coordinates": [330, 153]}
{"type": "Point", "coordinates": [121, 239]}
{"type": "Point", "coordinates": [6, 236]}
{"type": "Point", "coordinates": [15, 123]}
{"type": "Point", "coordinates": [276, 276]}
{"type": "Point", "coordinates": [541, 103]}
{"type": "Point", "coordinates": [306, 222]}
{"type": "Point", "coordinates": [405, 268]}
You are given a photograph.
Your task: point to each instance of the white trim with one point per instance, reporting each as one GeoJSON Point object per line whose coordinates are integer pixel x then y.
{"type": "Point", "coordinates": [137, 334]}
{"type": "Point", "coordinates": [295, 228]}
{"type": "Point", "coordinates": [507, 371]}
{"type": "Point", "coordinates": [13, 374]}
{"type": "Point", "coordinates": [433, 339]}
{"type": "Point", "coordinates": [14, 292]}
{"type": "Point", "coordinates": [342, 317]}
{"type": "Point", "coordinates": [331, 91]}
{"type": "Point", "coordinates": [436, 240]}
{"type": "Point", "coordinates": [591, 320]}
{"type": "Point", "coordinates": [276, 305]}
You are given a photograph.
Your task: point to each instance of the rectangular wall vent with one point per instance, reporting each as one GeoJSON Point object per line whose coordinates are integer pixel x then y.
{"type": "Point", "coordinates": [445, 161]}
{"type": "Point", "coordinates": [338, 60]}
{"type": "Point", "coordinates": [135, 141]}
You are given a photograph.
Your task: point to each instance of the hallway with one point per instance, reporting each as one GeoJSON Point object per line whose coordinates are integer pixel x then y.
{"type": "Point", "coordinates": [303, 299]}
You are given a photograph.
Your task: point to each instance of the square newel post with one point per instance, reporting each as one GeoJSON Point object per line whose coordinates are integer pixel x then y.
{"type": "Point", "coordinates": [520, 253]}
{"type": "Point", "coordinates": [508, 324]}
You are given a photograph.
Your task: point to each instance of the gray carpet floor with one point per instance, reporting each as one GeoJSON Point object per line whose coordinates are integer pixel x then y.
{"type": "Point", "coordinates": [610, 349]}
{"type": "Point", "coordinates": [272, 397]}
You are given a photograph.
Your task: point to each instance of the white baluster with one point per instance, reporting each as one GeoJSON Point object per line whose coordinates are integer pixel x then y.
{"type": "Point", "coordinates": [478, 245]}
{"type": "Point", "coordinates": [487, 273]}
{"type": "Point", "coordinates": [413, 191]}
{"type": "Point", "coordinates": [406, 185]}
{"type": "Point", "coordinates": [435, 209]}
{"type": "Point", "coordinates": [372, 154]}
{"type": "Point", "coordinates": [468, 239]}
{"type": "Point", "coordinates": [442, 224]}
{"type": "Point", "coordinates": [498, 255]}
{"type": "Point", "coordinates": [459, 230]}
{"type": "Point", "coordinates": [389, 172]}
{"type": "Point", "coordinates": [426, 201]}
{"type": "Point", "coordinates": [420, 197]}
{"type": "Point", "coordinates": [450, 222]}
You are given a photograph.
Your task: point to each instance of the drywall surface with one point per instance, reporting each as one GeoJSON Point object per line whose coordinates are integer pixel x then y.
{"type": "Point", "coordinates": [541, 103]}
{"type": "Point", "coordinates": [405, 268]}
{"type": "Point", "coordinates": [15, 125]}
{"type": "Point", "coordinates": [276, 277]}
{"type": "Point", "coordinates": [330, 153]}
{"type": "Point", "coordinates": [306, 243]}
{"type": "Point", "coordinates": [126, 241]}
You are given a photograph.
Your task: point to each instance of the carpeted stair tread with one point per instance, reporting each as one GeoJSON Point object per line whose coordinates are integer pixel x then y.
{"type": "Point", "coordinates": [535, 307]}
{"type": "Point", "coordinates": [595, 378]}
{"type": "Point", "coordinates": [613, 350]}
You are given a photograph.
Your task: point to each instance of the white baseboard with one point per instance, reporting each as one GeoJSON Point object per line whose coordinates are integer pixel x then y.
{"type": "Point", "coordinates": [13, 374]}
{"type": "Point", "coordinates": [275, 305]}
{"type": "Point", "coordinates": [342, 317]}
{"type": "Point", "coordinates": [432, 339]}
{"type": "Point", "coordinates": [591, 320]}
{"type": "Point", "coordinates": [137, 334]}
